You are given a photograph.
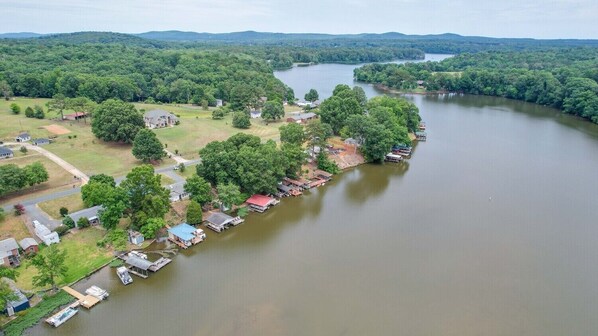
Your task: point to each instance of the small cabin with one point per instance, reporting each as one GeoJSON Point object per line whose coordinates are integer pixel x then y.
{"type": "Point", "coordinates": [421, 136]}
{"type": "Point", "coordinates": [29, 246]}
{"type": "Point", "coordinates": [260, 203]}
{"type": "Point", "coordinates": [185, 235]}
{"type": "Point", "coordinates": [23, 137]}
{"type": "Point", "coordinates": [41, 141]}
{"type": "Point", "coordinates": [135, 237]}
{"type": "Point", "coordinates": [5, 153]}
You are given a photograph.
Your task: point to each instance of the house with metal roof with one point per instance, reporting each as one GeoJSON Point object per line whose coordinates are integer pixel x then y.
{"type": "Point", "coordinates": [41, 141]}
{"type": "Point", "coordinates": [9, 253]}
{"type": "Point", "coordinates": [43, 233]}
{"type": "Point", "coordinates": [92, 214]}
{"type": "Point", "coordinates": [261, 203]}
{"type": "Point", "coordinates": [5, 153]}
{"type": "Point", "coordinates": [29, 245]}
{"type": "Point", "coordinates": [23, 137]}
{"type": "Point", "coordinates": [302, 117]}
{"type": "Point", "coordinates": [159, 119]}
{"type": "Point", "coordinates": [177, 192]}
{"type": "Point", "coordinates": [185, 235]}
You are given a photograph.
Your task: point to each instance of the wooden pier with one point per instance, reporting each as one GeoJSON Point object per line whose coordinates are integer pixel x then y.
{"type": "Point", "coordinates": [158, 264]}
{"type": "Point", "coordinates": [86, 301]}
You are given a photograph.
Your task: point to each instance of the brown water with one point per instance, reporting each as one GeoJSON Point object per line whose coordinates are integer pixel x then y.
{"type": "Point", "coordinates": [490, 229]}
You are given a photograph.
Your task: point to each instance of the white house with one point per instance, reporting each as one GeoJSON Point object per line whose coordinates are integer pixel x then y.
{"type": "Point", "coordinates": [5, 153]}
{"type": "Point", "coordinates": [43, 233]}
{"type": "Point", "coordinates": [23, 137]}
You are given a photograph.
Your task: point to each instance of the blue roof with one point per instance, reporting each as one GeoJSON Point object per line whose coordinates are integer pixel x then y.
{"type": "Point", "coordinates": [184, 231]}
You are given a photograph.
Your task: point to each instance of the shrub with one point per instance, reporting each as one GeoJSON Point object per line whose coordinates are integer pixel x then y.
{"type": "Point", "coordinates": [62, 230]}
{"type": "Point", "coordinates": [16, 109]}
{"type": "Point", "coordinates": [69, 222]}
{"type": "Point", "coordinates": [63, 211]}
{"type": "Point", "coordinates": [19, 209]}
{"type": "Point", "coordinates": [2, 214]}
{"type": "Point", "coordinates": [82, 222]}
{"type": "Point", "coordinates": [29, 112]}
{"type": "Point", "coordinates": [23, 149]}
{"type": "Point", "coordinates": [182, 167]}
{"type": "Point", "coordinates": [241, 120]}
{"type": "Point", "coordinates": [242, 212]}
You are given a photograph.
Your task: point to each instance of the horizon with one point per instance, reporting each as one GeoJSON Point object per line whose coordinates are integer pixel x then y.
{"type": "Point", "coordinates": [556, 19]}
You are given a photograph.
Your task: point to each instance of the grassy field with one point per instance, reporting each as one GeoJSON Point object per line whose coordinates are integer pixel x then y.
{"type": "Point", "coordinates": [83, 256]}
{"type": "Point", "coordinates": [83, 149]}
{"type": "Point", "coordinates": [52, 207]}
{"type": "Point", "coordinates": [13, 226]}
{"type": "Point", "coordinates": [165, 180]}
{"type": "Point", "coordinates": [189, 171]}
{"type": "Point", "coordinates": [197, 128]}
{"type": "Point", "coordinates": [59, 179]}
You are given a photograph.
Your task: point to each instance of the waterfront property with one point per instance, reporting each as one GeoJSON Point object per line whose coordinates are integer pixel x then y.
{"type": "Point", "coordinates": [29, 246]}
{"type": "Point", "coordinates": [159, 119]}
{"type": "Point", "coordinates": [261, 203]}
{"type": "Point", "coordinates": [135, 237]}
{"type": "Point", "coordinates": [9, 253]}
{"type": "Point", "coordinates": [23, 137]}
{"type": "Point", "coordinates": [43, 233]}
{"type": "Point", "coordinates": [390, 157]}
{"type": "Point", "coordinates": [19, 304]}
{"type": "Point", "coordinates": [5, 153]}
{"type": "Point", "coordinates": [421, 136]}
{"type": "Point", "coordinates": [185, 235]}
{"type": "Point", "coordinates": [297, 184]}
{"type": "Point", "coordinates": [219, 221]}
{"type": "Point", "coordinates": [136, 265]}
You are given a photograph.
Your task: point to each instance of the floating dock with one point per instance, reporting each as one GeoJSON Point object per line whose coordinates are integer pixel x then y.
{"type": "Point", "coordinates": [86, 301]}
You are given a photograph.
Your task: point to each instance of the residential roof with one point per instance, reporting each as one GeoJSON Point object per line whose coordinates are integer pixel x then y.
{"type": "Point", "coordinates": [298, 183]}
{"type": "Point", "coordinates": [23, 135]}
{"type": "Point", "coordinates": [158, 113]}
{"type": "Point", "coordinates": [184, 231]}
{"type": "Point", "coordinates": [41, 140]}
{"type": "Point", "coordinates": [284, 188]}
{"type": "Point", "coordinates": [303, 116]}
{"type": "Point", "coordinates": [260, 200]}
{"type": "Point", "coordinates": [219, 218]}
{"type": "Point", "coordinates": [76, 114]}
{"type": "Point", "coordinates": [322, 173]}
{"type": "Point", "coordinates": [27, 242]}
{"type": "Point", "coordinates": [134, 260]}
{"type": "Point", "coordinates": [421, 133]}
{"type": "Point", "coordinates": [4, 150]}
{"type": "Point", "coordinates": [87, 213]}
{"type": "Point", "coordinates": [8, 244]}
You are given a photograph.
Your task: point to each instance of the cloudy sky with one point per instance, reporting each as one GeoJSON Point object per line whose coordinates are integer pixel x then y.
{"type": "Point", "coordinates": [498, 18]}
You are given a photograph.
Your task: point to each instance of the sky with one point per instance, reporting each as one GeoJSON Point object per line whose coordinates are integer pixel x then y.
{"type": "Point", "coordinates": [495, 18]}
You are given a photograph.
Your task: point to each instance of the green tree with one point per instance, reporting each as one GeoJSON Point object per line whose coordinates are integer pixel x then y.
{"type": "Point", "coordinates": [102, 178]}
{"type": "Point", "coordinates": [228, 194]}
{"type": "Point", "coordinates": [6, 294]}
{"type": "Point", "coordinates": [2, 215]}
{"type": "Point", "coordinates": [68, 222]}
{"type": "Point", "coordinates": [141, 182]}
{"type": "Point", "coordinates": [147, 147]}
{"type": "Point", "coordinates": [8, 272]}
{"type": "Point", "coordinates": [312, 95]}
{"type": "Point", "coordinates": [36, 173]}
{"type": "Point", "coordinates": [218, 114]}
{"type": "Point", "coordinates": [38, 112]}
{"type": "Point", "coordinates": [115, 120]}
{"type": "Point", "coordinates": [194, 213]}
{"type": "Point", "coordinates": [292, 133]}
{"type": "Point", "coordinates": [317, 133]}
{"type": "Point", "coordinates": [295, 157]}
{"type": "Point", "coordinates": [58, 103]}
{"type": "Point", "coordinates": [50, 266]}
{"type": "Point", "coordinates": [81, 104]}
{"type": "Point", "coordinates": [273, 110]}
{"type": "Point", "coordinates": [241, 120]}
{"type": "Point", "coordinates": [23, 149]}
{"type": "Point", "coordinates": [199, 188]}
{"type": "Point", "coordinates": [6, 90]}
{"type": "Point", "coordinates": [327, 165]}
{"type": "Point", "coordinates": [29, 112]}
{"type": "Point", "coordinates": [15, 108]}
{"type": "Point", "coordinates": [12, 178]}
{"type": "Point", "coordinates": [63, 211]}
{"type": "Point", "coordinates": [117, 238]}
{"type": "Point", "coordinates": [82, 222]}
{"type": "Point", "coordinates": [152, 227]}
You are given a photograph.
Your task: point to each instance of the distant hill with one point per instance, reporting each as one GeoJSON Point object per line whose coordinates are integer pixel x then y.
{"type": "Point", "coordinates": [19, 35]}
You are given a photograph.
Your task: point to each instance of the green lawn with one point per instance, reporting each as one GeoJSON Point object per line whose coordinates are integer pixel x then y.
{"type": "Point", "coordinates": [52, 207]}
{"type": "Point", "coordinates": [83, 256]}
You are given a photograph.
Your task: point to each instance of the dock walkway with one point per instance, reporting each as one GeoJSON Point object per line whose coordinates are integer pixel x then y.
{"type": "Point", "coordinates": [86, 301]}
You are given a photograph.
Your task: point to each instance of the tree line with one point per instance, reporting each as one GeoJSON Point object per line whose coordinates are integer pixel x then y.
{"type": "Point", "coordinates": [563, 78]}
{"type": "Point", "coordinates": [14, 178]}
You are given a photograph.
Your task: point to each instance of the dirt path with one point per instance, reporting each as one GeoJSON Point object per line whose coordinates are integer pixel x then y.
{"type": "Point", "coordinates": [175, 157]}
{"type": "Point", "coordinates": [65, 165]}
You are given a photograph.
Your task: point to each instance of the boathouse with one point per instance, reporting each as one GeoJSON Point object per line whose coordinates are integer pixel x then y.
{"type": "Point", "coordinates": [260, 203]}
{"type": "Point", "coordinates": [298, 184]}
{"type": "Point", "coordinates": [421, 136]}
{"type": "Point", "coordinates": [138, 266]}
{"type": "Point", "coordinates": [219, 221]}
{"type": "Point", "coordinates": [185, 235]}
{"type": "Point", "coordinates": [326, 176]}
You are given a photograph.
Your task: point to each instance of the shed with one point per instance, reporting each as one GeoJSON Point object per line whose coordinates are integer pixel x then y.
{"type": "Point", "coordinates": [219, 221]}
{"type": "Point", "coordinates": [29, 245]}
{"type": "Point", "coordinates": [302, 117]}
{"type": "Point", "coordinates": [23, 137]}
{"type": "Point", "coordinates": [255, 114]}
{"type": "Point", "coordinates": [43, 233]}
{"type": "Point", "coordinates": [20, 304]}
{"type": "Point", "coordinates": [9, 253]}
{"type": "Point", "coordinates": [75, 116]}
{"type": "Point", "coordinates": [136, 237]}
{"type": "Point", "coordinates": [219, 103]}
{"type": "Point", "coordinates": [41, 141]}
{"type": "Point", "coordinates": [5, 153]}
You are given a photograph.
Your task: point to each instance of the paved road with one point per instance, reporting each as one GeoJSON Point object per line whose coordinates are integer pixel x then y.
{"type": "Point", "coordinates": [59, 161]}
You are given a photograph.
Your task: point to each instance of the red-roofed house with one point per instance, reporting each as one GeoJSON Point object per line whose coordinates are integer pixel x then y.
{"type": "Point", "coordinates": [75, 116]}
{"type": "Point", "coordinates": [261, 203]}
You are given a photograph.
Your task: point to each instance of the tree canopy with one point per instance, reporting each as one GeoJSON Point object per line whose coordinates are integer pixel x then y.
{"type": "Point", "coordinates": [147, 147]}
{"type": "Point", "coordinates": [50, 266]}
{"type": "Point", "coordinates": [273, 110]}
{"type": "Point", "coordinates": [115, 120]}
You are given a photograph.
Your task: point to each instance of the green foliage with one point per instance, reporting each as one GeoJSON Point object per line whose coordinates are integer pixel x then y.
{"type": "Point", "coordinates": [273, 110]}
{"type": "Point", "coordinates": [194, 213]}
{"type": "Point", "coordinates": [102, 178]}
{"type": "Point", "coordinates": [102, 190]}
{"type": "Point", "coordinates": [117, 238]}
{"type": "Point", "coordinates": [23, 149]}
{"type": "Point", "coordinates": [292, 133]}
{"type": "Point", "coordinates": [115, 120]}
{"type": "Point", "coordinates": [295, 157]}
{"type": "Point", "coordinates": [327, 165]}
{"type": "Point", "coordinates": [344, 103]}
{"type": "Point", "coordinates": [29, 112]}
{"type": "Point", "coordinates": [241, 120]}
{"type": "Point", "coordinates": [68, 222]}
{"type": "Point", "coordinates": [6, 294]}
{"type": "Point", "coordinates": [312, 95]}
{"type": "Point", "coordinates": [15, 108]}
{"type": "Point", "coordinates": [199, 188]}
{"type": "Point", "coordinates": [147, 197]}
{"type": "Point", "coordinates": [218, 114]}
{"type": "Point", "coordinates": [116, 263]}
{"type": "Point", "coordinates": [50, 266]}
{"type": "Point", "coordinates": [34, 314]}
{"type": "Point", "coordinates": [182, 167]}
{"type": "Point", "coordinates": [63, 211]}
{"type": "Point", "coordinates": [228, 194]}
{"type": "Point", "coordinates": [147, 147]}
{"type": "Point", "coordinates": [82, 222]}
{"type": "Point", "coordinates": [58, 103]}
{"type": "Point", "coordinates": [317, 133]}
{"type": "Point", "coordinates": [62, 230]}
{"type": "Point", "coordinates": [38, 112]}
{"type": "Point", "coordinates": [242, 212]}
{"type": "Point", "coordinates": [2, 215]}
{"type": "Point", "coordinates": [8, 272]}
{"type": "Point", "coordinates": [5, 89]}
{"type": "Point", "coordinates": [13, 178]}
{"type": "Point", "coordinates": [152, 226]}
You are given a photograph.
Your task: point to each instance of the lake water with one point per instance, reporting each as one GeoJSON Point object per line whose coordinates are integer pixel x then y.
{"type": "Point", "coordinates": [490, 229]}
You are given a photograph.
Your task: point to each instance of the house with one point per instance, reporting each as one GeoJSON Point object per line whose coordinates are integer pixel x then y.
{"type": "Point", "coordinates": [177, 192]}
{"type": "Point", "coordinates": [19, 304]}
{"type": "Point", "coordinates": [41, 141]}
{"type": "Point", "coordinates": [159, 119]}
{"type": "Point", "coordinates": [5, 153]}
{"type": "Point", "coordinates": [185, 235]}
{"type": "Point", "coordinates": [9, 253]}
{"type": "Point", "coordinates": [135, 237]}
{"type": "Point", "coordinates": [29, 245]}
{"type": "Point", "coordinates": [43, 233]}
{"type": "Point", "coordinates": [219, 221]}
{"type": "Point", "coordinates": [23, 137]}
{"type": "Point", "coordinates": [302, 117]}
{"type": "Point", "coordinates": [92, 214]}
{"type": "Point", "coordinates": [255, 114]}
{"type": "Point", "coordinates": [261, 203]}
{"type": "Point", "coordinates": [308, 104]}
{"type": "Point", "coordinates": [75, 116]}
{"type": "Point", "coordinates": [326, 176]}
{"type": "Point", "coordinates": [219, 103]}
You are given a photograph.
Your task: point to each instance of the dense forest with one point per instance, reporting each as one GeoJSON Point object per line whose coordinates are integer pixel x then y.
{"type": "Point", "coordinates": [565, 78]}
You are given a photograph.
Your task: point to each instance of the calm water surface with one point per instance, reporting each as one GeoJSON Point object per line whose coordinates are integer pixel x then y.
{"type": "Point", "coordinates": [490, 229]}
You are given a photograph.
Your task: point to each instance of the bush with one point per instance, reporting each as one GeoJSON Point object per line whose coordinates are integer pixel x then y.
{"type": "Point", "coordinates": [69, 222]}
{"type": "Point", "coordinates": [29, 112]}
{"type": "Point", "coordinates": [327, 165]}
{"type": "Point", "coordinates": [62, 230]}
{"type": "Point", "coordinates": [23, 149]}
{"type": "Point", "coordinates": [2, 214]}
{"type": "Point", "coordinates": [242, 212]}
{"type": "Point", "coordinates": [218, 114]}
{"type": "Point", "coordinates": [241, 120]}
{"type": "Point", "coordinates": [63, 211]}
{"type": "Point", "coordinates": [19, 209]}
{"type": "Point", "coordinates": [82, 223]}
{"type": "Point", "coordinates": [16, 109]}
{"type": "Point", "coordinates": [182, 167]}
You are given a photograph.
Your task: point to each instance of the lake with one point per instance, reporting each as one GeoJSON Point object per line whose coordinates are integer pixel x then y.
{"type": "Point", "coordinates": [490, 229]}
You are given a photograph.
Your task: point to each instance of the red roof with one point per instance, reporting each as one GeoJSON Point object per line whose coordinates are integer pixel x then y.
{"type": "Point", "coordinates": [76, 114]}
{"type": "Point", "coordinates": [260, 200]}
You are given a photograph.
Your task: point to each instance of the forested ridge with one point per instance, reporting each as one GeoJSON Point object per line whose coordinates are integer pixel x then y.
{"type": "Point", "coordinates": [565, 78]}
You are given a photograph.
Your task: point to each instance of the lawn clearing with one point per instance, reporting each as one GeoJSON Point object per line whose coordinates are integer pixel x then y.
{"type": "Point", "coordinates": [59, 179]}
{"type": "Point", "coordinates": [52, 207]}
{"type": "Point", "coordinates": [165, 180]}
{"type": "Point", "coordinates": [13, 226]}
{"type": "Point", "coordinates": [189, 171]}
{"type": "Point", "coordinates": [82, 257]}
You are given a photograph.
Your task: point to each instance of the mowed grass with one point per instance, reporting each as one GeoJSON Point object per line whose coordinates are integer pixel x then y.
{"type": "Point", "coordinates": [82, 257]}
{"type": "Point", "coordinates": [83, 150]}
{"type": "Point", "coordinates": [59, 179]}
{"type": "Point", "coordinates": [13, 226]}
{"type": "Point", "coordinates": [52, 207]}
{"type": "Point", "coordinates": [197, 128]}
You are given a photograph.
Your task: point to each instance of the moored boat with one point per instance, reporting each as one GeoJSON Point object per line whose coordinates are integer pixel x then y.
{"type": "Point", "coordinates": [123, 275]}
{"type": "Point", "coordinates": [97, 292]}
{"type": "Point", "coordinates": [62, 316]}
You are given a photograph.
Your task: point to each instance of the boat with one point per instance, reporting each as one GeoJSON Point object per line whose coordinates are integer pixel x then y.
{"type": "Point", "coordinates": [97, 292]}
{"type": "Point", "coordinates": [124, 275]}
{"type": "Point", "coordinates": [62, 316]}
{"type": "Point", "coordinates": [138, 254]}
